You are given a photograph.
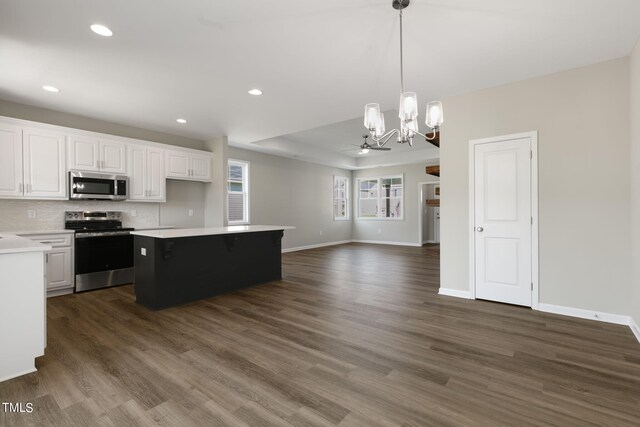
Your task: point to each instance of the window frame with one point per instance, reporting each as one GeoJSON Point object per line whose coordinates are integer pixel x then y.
{"type": "Point", "coordinates": [245, 164]}
{"type": "Point", "coordinates": [379, 198]}
{"type": "Point", "coordinates": [347, 198]}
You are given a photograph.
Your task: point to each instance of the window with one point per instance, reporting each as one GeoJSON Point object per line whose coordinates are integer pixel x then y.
{"type": "Point", "coordinates": [340, 198]}
{"type": "Point", "coordinates": [380, 198]}
{"type": "Point", "coordinates": [238, 192]}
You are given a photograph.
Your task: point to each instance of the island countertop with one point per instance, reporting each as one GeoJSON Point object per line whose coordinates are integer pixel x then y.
{"type": "Point", "coordinates": [210, 231]}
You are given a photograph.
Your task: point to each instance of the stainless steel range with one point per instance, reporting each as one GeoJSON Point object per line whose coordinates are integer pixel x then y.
{"type": "Point", "coordinates": [104, 249]}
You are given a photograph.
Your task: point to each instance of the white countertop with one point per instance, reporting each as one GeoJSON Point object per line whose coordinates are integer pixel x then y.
{"type": "Point", "coordinates": [193, 232]}
{"type": "Point", "coordinates": [36, 232]}
{"type": "Point", "coordinates": [11, 244]}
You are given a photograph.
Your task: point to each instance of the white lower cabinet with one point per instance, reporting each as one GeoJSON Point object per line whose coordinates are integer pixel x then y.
{"type": "Point", "coordinates": [59, 268]}
{"type": "Point", "coordinates": [59, 261]}
{"type": "Point", "coordinates": [146, 174]}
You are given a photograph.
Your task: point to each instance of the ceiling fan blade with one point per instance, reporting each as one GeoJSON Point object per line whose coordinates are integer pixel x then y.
{"type": "Point", "coordinates": [379, 148]}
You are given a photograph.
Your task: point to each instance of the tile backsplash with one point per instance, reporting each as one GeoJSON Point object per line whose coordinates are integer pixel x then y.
{"type": "Point", "coordinates": [50, 213]}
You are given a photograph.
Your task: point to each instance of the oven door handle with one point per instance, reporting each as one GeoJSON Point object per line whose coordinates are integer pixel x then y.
{"type": "Point", "coordinates": [102, 234]}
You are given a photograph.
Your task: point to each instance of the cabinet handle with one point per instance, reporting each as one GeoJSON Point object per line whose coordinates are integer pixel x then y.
{"type": "Point", "coordinates": [46, 257]}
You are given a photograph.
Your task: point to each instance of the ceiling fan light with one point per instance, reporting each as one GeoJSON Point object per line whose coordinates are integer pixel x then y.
{"type": "Point", "coordinates": [434, 117]}
{"type": "Point", "coordinates": [364, 151]}
{"type": "Point", "coordinates": [408, 106]}
{"type": "Point", "coordinates": [372, 116]}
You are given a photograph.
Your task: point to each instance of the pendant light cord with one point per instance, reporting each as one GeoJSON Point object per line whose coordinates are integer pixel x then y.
{"type": "Point", "coordinates": [401, 65]}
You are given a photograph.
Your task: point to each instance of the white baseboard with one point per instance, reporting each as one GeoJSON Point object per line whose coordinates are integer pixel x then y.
{"type": "Point", "coordinates": [383, 242]}
{"type": "Point", "coordinates": [454, 293]}
{"type": "Point", "coordinates": [428, 241]}
{"type": "Point", "coordinates": [18, 374]}
{"type": "Point", "coordinates": [319, 245]}
{"type": "Point", "coordinates": [585, 314]}
{"type": "Point", "coordinates": [634, 328]}
{"type": "Point", "coordinates": [59, 292]}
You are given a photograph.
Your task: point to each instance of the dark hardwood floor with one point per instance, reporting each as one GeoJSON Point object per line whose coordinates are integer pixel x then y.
{"type": "Point", "coordinates": [354, 335]}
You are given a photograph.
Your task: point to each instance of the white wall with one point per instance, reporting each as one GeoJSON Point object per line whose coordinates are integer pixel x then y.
{"type": "Point", "coordinates": [181, 197]}
{"type": "Point", "coordinates": [215, 201]}
{"type": "Point", "coordinates": [399, 231]}
{"type": "Point", "coordinates": [292, 192]}
{"type": "Point", "coordinates": [582, 117]}
{"type": "Point", "coordinates": [635, 180]}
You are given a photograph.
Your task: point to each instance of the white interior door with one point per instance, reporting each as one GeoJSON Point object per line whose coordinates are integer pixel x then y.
{"type": "Point", "coordinates": [503, 221]}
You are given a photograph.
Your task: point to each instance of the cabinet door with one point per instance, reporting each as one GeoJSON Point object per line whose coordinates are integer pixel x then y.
{"type": "Point", "coordinates": [45, 172]}
{"type": "Point", "coordinates": [201, 168]}
{"type": "Point", "coordinates": [178, 164]}
{"type": "Point", "coordinates": [113, 157]}
{"type": "Point", "coordinates": [156, 181]}
{"type": "Point", "coordinates": [11, 183]}
{"type": "Point", "coordinates": [84, 153]}
{"type": "Point", "coordinates": [59, 268]}
{"type": "Point", "coordinates": [137, 172]}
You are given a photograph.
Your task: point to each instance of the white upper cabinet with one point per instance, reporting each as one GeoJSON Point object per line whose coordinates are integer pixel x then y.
{"type": "Point", "coordinates": [44, 166]}
{"type": "Point", "coordinates": [177, 164]}
{"type": "Point", "coordinates": [84, 153]}
{"type": "Point", "coordinates": [201, 167]}
{"type": "Point", "coordinates": [93, 154]}
{"type": "Point", "coordinates": [32, 163]}
{"type": "Point", "coordinates": [113, 157]}
{"type": "Point", "coordinates": [188, 165]}
{"type": "Point", "coordinates": [35, 159]}
{"type": "Point", "coordinates": [156, 181]}
{"type": "Point", "coordinates": [11, 178]}
{"type": "Point", "coordinates": [146, 174]}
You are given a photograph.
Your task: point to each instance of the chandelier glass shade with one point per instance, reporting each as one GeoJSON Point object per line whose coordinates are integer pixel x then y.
{"type": "Point", "coordinates": [407, 111]}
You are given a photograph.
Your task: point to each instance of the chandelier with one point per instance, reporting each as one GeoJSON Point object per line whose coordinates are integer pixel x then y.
{"type": "Point", "coordinates": [408, 111]}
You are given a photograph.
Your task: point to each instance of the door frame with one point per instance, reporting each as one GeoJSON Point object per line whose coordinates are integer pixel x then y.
{"type": "Point", "coordinates": [533, 135]}
{"type": "Point", "coordinates": [421, 201]}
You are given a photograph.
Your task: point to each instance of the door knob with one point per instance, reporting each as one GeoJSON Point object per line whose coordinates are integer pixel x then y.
{"type": "Point", "coordinates": [479, 229]}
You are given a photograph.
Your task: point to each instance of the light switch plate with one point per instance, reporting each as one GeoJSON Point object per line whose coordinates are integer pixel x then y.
{"type": "Point", "coordinates": [190, 212]}
{"type": "Point", "coordinates": [134, 213]}
{"type": "Point", "coordinates": [31, 213]}
{"type": "Point", "coordinates": [143, 251]}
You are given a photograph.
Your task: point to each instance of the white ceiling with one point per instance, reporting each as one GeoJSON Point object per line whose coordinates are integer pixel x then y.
{"type": "Point", "coordinates": [318, 62]}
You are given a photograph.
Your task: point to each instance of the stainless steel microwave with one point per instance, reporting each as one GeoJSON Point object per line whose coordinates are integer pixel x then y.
{"type": "Point", "coordinates": [97, 186]}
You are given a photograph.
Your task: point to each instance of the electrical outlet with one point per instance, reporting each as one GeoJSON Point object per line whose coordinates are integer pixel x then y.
{"type": "Point", "coordinates": [143, 251]}
{"type": "Point", "coordinates": [321, 232]}
{"type": "Point", "coordinates": [31, 213]}
{"type": "Point", "coordinates": [379, 230]}
{"type": "Point", "coordinates": [190, 212]}
{"type": "Point", "coordinates": [134, 213]}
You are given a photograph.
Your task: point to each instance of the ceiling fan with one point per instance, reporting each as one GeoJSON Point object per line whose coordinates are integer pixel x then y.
{"type": "Point", "coordinates": [366, 146]}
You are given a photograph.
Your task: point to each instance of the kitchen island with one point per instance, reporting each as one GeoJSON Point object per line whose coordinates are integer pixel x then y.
{"type": "Point", "coordinates": [177, 266]}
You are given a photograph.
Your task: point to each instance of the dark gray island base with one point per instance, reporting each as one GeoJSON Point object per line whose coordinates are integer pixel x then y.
{"type": "Point", "coordinates": [174, 267]}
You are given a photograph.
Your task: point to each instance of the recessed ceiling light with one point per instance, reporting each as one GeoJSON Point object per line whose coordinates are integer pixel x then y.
{"type": "Point", "coordinates": [102, 30]}
{"type": "Point", "coordinates": [181, 121]}
{"type": "Point", "coordinates": [255, 92]}
{"type": "Point", "coordinates": [50, 88]}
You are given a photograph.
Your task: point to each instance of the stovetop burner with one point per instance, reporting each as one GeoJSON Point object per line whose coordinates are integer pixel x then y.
{"type": "Point", "coordinates": [94, 221]}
